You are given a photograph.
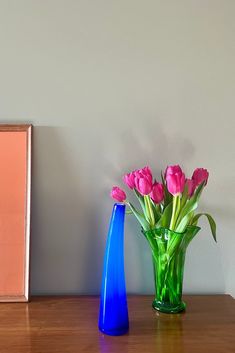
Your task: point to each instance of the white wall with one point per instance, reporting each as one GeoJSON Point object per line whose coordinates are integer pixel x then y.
{"type": "Point", "coordinates": [111, 86]}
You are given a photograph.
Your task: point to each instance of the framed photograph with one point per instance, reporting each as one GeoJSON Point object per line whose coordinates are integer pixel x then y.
{"type": "Point", "coordinates": [15, 185]}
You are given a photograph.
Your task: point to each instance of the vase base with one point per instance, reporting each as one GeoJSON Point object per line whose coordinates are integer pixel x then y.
{"type": "Point", "coordinates": [165, 308]}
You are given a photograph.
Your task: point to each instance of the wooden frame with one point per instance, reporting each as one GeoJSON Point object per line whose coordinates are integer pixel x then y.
{"type": "Point", "coordinates": [21, 293]}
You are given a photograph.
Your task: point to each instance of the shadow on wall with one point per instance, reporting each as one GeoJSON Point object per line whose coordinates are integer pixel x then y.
{"type": "Point", "coordinates": [62, 255]}
{"type": "Point", "coordinates": [73, 172]}
{"type": "Point", "coordinates": [144, 144]}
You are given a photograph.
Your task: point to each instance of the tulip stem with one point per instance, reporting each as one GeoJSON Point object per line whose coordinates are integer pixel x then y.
{"type": "Point", "coordinates": [149, 210]}
{"type": "Point", "coordinates": [177, 209]}
{"type": "Point", "coordinates": [174, 211]}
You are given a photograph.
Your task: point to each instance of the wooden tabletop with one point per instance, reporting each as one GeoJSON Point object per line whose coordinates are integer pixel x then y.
{"type": "Point", "coordinates": [69, 324]}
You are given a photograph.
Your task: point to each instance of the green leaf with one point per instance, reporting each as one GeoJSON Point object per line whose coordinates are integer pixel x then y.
{"type": "Point", "coordinates": [184, 222]}
{"type": "Point", "coordinates": [190, 235]}
{"type": "Point", "coordinates": [165, 219]}
{"type": "Point", "coordinates": [139, 216]}
{"type": "Point", "coordinates": [210, 220]}
{"type": "Point", "coordinates": [192, 203]}
{"type": "Point", "coordinates": [185, 196]}
{"type": "Point", "coordinates": [141, 201]}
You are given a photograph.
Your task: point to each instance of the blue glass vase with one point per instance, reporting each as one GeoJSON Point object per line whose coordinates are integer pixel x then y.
{"type": "Point", "coordinates": [113, 317]}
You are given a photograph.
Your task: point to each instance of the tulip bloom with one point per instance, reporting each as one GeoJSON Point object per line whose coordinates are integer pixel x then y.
{"type": "Point", "coordinates": [172, 169]}
{"type": "Point", "coordinates": [129, 180]}
{"type": "Point", "coordinates": [191, 186]}
{"type": "Point", "coordinates": [199, 176]}
{"type": "Point", "coordinates": [157, 193]}
{"type": "Point", "coordinates": [144, 180]}
{"type": "Point", "coordinates": [175, 179]}
{"type": "Point", "coordinates": [118, 194]}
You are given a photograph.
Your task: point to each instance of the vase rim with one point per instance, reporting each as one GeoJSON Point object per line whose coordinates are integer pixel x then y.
{"type": "Point", "coordinates": [172, 231]}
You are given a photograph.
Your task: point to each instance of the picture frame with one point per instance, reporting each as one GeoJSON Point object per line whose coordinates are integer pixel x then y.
{"type": "Point", "coordinates": [15, 203]}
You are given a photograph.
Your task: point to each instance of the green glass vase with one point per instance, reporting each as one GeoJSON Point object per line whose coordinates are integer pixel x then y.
{"type": "Point", "coordinates": [168, 252]}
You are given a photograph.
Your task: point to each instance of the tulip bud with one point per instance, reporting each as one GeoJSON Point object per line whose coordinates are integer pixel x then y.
{"type": "Point", "coordinates": [143, 180]}
{"type": "Point", "coordinates": [118, 194]}
{"type": "Point", "coordinates": [157, 193]}
{"type": "Point", "coordinates": [129, 180]}
{"type": "Point", "coordinates": [199, 176]}
{"type": "Point", "coordinates": [191, 187]}
{"type": "Point", "coordinates": [143, 186]}
{"type": "Point", "coordinates": [175, 179]}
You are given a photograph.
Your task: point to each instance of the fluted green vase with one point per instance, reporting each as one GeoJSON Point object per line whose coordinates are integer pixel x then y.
{"type": "Point", "coordinates": [169, 250]}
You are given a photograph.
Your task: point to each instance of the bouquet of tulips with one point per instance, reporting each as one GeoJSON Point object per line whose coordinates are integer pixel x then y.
{"type": "Point", "coordinates": [171, 203]}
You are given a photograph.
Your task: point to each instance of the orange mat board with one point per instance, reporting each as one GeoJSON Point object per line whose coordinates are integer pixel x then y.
{"type": "Point", "coordinates": [14, 212]}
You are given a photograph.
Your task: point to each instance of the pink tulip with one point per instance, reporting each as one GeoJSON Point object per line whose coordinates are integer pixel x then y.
{"type": "Point", "coordinates": [157, 193]}
{"type": "Point", "coordinates": [172, 169]}
{"type": "Point", "coordinates": [129, 180]}
{"type": "Point", "coordinates": [147, 172]}
{"type": "Point", "coordinates": [118, 194]}
{"type": "Point", "coordinates": [144, 173]}
{"type": "Point", "coordinates": [191, 187]}
{"type": "Point", "coordinates": [175, 179]}
{"type": "Point", "coordinates": [200, 175]}
{"type": "Point", "coordinates": [143, 186]}
{"type": "Point", "coordinates": [144, 180]}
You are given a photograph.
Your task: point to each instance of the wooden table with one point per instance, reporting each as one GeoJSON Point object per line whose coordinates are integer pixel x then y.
{"type": "Point", "coordinates": [69, 324]}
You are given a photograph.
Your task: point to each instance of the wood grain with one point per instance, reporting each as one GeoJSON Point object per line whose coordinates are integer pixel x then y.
{"type": "Point", "coordinates": [69, 324]}
{"type": "Point", "coordinates": [15, 127]}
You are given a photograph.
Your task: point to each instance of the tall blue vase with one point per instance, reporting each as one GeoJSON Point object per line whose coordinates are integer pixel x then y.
{"type": "Point", "coordinates": [113, 317]}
